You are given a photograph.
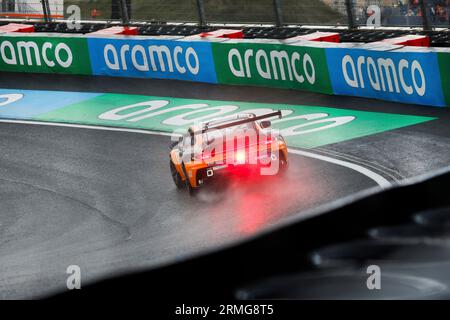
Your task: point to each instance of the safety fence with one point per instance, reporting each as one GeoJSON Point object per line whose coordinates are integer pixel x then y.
{"type": "Point", "coordinates": [32, 9]}
{"type": "Point", "coordinates": [427, 14]}
{"type": "Point", "coordinates": [391, 72]}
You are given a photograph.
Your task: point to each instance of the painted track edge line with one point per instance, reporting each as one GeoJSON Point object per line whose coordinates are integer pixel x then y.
{"type": "Point", "coordinates": [381, 181]}
{"type": "Point", "coordinates": [87, 126]}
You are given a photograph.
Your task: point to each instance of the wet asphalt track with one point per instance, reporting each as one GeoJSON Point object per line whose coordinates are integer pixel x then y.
{"type": "Point", "coordinates": [105, 200]}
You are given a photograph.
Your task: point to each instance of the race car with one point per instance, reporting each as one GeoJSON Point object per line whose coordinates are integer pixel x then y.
{"type": "Point", "coordinates": [223, 146]}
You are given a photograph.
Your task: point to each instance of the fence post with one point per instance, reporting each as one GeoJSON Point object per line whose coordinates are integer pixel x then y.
{"type": "Point", "coordinates": [277, 6]}
{"type": "Point", "coordinates": [350, 17]}
{"type": "Point", "coordinates": [124, 12]}
{"type": "Point", "coordinates": [201, 13]}
{"type": "Point", "coordinates": [46, 10]}
{"type": "Point", "coordinates": [425, 19]}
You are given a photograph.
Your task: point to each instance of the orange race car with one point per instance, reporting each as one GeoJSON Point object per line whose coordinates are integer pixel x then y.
{"type": "Point", "coordinates": [221, 146]}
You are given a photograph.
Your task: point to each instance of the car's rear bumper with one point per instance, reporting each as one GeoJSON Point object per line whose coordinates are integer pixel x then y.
{"type": "Point", "coordinates": [204, 175]}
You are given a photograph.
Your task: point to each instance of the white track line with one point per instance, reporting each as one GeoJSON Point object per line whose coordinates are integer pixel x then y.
{"type": "Point", "coordinates": [86, 126]}
{"type": "Point", "coordinates": [382, 182]}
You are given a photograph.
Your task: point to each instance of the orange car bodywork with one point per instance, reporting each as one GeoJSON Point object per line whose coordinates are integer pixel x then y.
{"type": "Point", "coordinates": [192, 167]}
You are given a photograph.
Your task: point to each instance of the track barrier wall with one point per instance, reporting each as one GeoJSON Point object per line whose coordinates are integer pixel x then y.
{"type": "Point", "coordinates": [396, 73]}
{"type": "Point", "coordinates": [411, 77]}
{"type": "Point", "coordinates": [444, 67]}
{"type": "Point", "coordinates": [44, 54]}
{"type": "Point", "coordinates": [152, 58]}
{"type": "Point", "coordinates": [272, 65]}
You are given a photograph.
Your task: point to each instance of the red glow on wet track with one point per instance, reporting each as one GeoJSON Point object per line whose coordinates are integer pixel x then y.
{"type": "Point", "coordinates": [244, 203]}
{"type": "Point", "coordinates": [252, 214]}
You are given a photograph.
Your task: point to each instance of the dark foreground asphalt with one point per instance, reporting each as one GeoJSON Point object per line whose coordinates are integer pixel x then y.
{"type": "Point", "coordinates": [105, 200]}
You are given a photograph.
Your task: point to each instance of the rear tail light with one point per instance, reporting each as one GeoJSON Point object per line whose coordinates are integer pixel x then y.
{"type": "Point", "coordinates": [240, 157]}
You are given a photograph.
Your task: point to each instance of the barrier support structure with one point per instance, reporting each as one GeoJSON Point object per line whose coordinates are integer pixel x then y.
{"type": "Point", "coordinates": [201, 13]}
{"type": "Point", "coordinates": [46, 10]}
{"type": "Point", "coordinates": [124, 13]}
{"type": "Point", "coordinates": [278, 13]}
{"type": "Point", "coordinates": [350, 19]}
{"type": "Point", "coordinates": [425, 18]}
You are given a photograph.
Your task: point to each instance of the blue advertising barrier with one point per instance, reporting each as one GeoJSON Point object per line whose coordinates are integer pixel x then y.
{"type": "Point", "coordinates": [409, 77]}
{"type": "Point", "coordinates": [152, 58]}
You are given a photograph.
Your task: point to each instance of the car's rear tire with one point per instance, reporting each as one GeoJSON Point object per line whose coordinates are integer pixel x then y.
{"type": "Point", "coordinates": [283, 164]}
{"type": "Point", "coordinates": [190, 188]}
{"type": "Point", "coordinates": [179, 183]}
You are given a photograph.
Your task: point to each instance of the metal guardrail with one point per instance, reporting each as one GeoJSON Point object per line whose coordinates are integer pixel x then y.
{"type": "Point", "coordinates": [353, 14]}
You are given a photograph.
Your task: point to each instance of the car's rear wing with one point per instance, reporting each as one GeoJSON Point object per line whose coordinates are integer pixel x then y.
{"type": "Point", "coordinates": [237, 123]}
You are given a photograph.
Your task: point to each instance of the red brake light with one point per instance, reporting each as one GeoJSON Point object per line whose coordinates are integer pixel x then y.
{"type": "Point", "coordinates": [240, 157]}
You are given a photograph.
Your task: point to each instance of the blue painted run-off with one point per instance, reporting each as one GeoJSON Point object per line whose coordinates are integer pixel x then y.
{"type": "Point", "coordinates": [34, 103]}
